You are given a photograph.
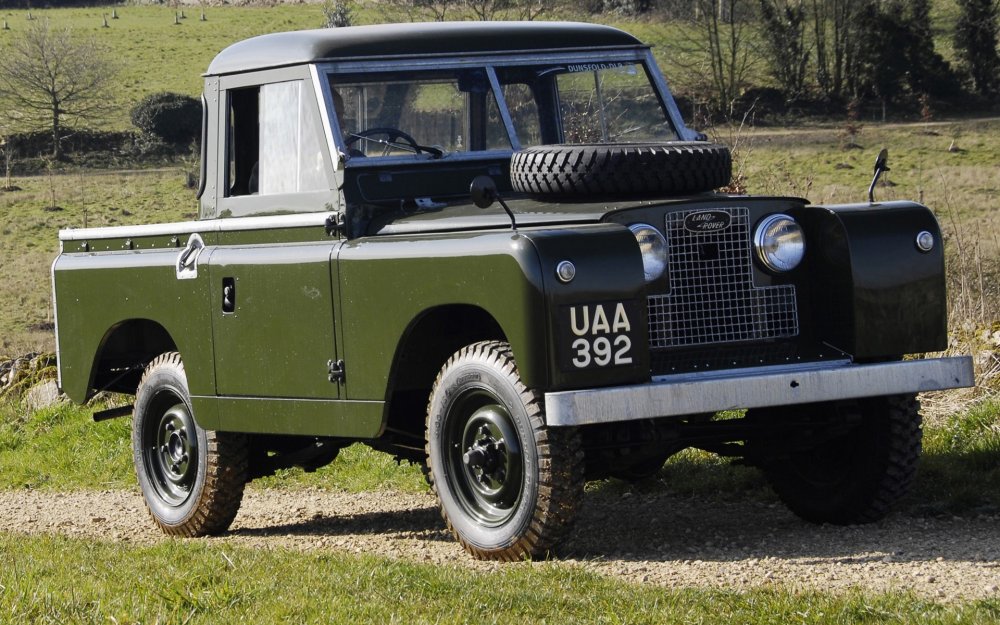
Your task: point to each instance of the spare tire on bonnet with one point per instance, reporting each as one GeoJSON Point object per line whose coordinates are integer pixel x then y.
{"type": "Point", "coordinates": [671, 168]}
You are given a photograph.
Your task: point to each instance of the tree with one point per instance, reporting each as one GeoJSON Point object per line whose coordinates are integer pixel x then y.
{"type": "Point", "coordinates": [337, 14]}
{"type": "Point", "coordinates": [717, 37]}
{"type": "Point", "coordinates": [784, 25]}
{"type": "Point", "coordinates": [488, 10]}
{"type": "Point", "coordinates": [841, 29]}
{"type": "Point", "coordinates": [7, 153]}
{"type": "Point", "coordinates": [929, 73]}
{"type": "Point", "coordinates": [426, 10]}
{"type": "Point", "coordinates": [55, 78]}
{"type": "Point", "coordinates": [976, 43]}
{"type": "Point", "coordinates": [898, 62]}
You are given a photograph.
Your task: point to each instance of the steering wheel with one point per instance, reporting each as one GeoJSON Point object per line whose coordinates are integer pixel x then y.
{"type": "Point", "coordinates": [393, 137]}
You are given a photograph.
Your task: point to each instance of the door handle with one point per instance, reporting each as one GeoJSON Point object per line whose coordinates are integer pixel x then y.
{"type": "Point", "coordinates": [228, 295]}
{"type": "Point", "coordinates": [187, 261]}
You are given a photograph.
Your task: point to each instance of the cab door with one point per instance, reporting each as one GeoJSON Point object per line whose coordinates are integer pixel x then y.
{"type": "Point", "coordinates": [273, 275]}
{"type": "Point", "coordinates": [274, 320]}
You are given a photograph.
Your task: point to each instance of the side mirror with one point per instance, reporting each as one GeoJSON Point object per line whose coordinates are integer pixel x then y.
{"type": "Point", "coordinates": [881, 166]}
{"type": "Point", "coordinates": [483, 191]}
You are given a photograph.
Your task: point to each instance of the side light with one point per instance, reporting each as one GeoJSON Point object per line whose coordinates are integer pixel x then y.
{"type": "Point", "coordinates": [565, 271]}
{"type": "Point", "coordinates": [925, 241]}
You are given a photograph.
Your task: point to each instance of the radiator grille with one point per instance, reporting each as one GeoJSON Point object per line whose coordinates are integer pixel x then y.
{"type": "Point", "coordinates": [711, 297]}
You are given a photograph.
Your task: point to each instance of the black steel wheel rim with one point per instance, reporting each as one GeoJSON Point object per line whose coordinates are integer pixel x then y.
{"type": "Point", "coordinates": [485, 463]}
{"type": "Point", "coordinates": [170, 454]}
{"type": "Point", "coordinates": [827, 466]}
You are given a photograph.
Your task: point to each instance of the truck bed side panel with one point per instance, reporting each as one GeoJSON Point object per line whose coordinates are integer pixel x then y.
{"type": "Point", "coordinates": [98, 292]}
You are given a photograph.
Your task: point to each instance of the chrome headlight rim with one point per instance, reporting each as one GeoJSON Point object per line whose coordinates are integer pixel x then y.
{"type": "Point", "coordinates": [779, 243]}
{"type": "Point", "coordinates": [653, 247]}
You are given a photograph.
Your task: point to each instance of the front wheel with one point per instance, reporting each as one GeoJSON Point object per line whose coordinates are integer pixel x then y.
{"type": "Point", "coordinates": [508, 485]}
{"type": "Point", "coordinates": [857, 476]}
{"type": "Point", "coordinates": [191, 479]}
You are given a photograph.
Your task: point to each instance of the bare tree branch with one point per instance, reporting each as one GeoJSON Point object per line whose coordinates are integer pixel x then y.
{"type": "Point", "coordinates": [55, 78]}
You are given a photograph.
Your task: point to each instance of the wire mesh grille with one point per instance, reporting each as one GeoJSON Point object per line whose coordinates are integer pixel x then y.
{"type": "Point", "coordinates": [711, 297]}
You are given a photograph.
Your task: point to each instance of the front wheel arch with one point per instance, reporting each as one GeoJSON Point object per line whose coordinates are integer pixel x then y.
{"type": "Point", "coordinates": [509, 486]}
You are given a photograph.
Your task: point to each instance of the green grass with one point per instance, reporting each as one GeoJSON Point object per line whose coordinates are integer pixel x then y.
{"type": "Point", "coordinates": [960, 469]}
{"type": "Point", "coordinates": [29, 227]}
{"type": "Point", "coordinates": [61, 448]}
{"type": "Point", "coordinates": [210, 582]}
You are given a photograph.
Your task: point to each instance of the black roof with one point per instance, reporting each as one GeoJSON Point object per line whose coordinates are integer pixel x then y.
{"type": "Point", "coordinates": [304, 46]}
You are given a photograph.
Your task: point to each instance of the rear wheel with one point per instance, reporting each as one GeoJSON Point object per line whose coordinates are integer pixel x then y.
{"type": "Point", "coordinates": [508, 485]}
{"type": "Point", "coordinates": [857, 476]}
{"type": "Point", "coordinates": [191, 479]}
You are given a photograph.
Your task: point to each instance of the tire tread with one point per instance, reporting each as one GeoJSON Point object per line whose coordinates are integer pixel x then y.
{"type": "Point", "coordinates": [226, 474]}
{"type": "Point", "coordinates": [560, 465]}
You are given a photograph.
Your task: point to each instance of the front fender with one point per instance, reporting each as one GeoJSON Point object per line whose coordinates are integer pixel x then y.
{"type": "Point", "coordinates": [875, 294]}
{"type": "Point", "coordinates": [387, 282]}
{"type": "Point", "coordinates": [609, 283]}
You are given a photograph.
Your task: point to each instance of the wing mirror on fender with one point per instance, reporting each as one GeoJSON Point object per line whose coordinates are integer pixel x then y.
{"type": "Point", "coordinates": [484, 192]}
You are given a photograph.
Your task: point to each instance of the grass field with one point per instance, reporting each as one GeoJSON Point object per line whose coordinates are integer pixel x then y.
{"type": "Point", "coordinates": [199, 582]}
{"type": "Point", "coordinates": [156, 55]}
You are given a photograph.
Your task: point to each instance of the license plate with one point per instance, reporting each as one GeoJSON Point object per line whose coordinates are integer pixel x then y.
{"type": "Point", "coordinates": [595, 336]}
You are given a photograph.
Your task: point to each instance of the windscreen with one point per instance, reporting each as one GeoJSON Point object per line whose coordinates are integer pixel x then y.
{"type": "Point", "coordinates": [422, 113]}
{"type": "Point", "coordinates": [436, 113]}
{"type": "Point", "coordinates": [584, 103]}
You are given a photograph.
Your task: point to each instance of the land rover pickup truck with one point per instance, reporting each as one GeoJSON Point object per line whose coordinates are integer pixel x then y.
{"type": "Point", "coordinates": [496, 250]}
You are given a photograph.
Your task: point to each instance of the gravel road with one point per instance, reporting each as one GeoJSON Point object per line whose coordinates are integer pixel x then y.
{"type": "Point", "coordinates": [647, 538]}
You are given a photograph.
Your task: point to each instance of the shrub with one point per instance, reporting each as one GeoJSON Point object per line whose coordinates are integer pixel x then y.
{"type": "Point", "coordinates": [172, 117]}
{"type": "Point", "coordinates": [337, 14]}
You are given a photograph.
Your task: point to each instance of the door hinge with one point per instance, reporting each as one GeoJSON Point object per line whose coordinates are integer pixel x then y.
{"type": "Point", "coordinates": [336, 225]}
{"type": "Point", "coordinates": [336, 370]}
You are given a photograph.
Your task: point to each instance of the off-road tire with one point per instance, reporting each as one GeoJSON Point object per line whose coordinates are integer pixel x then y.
{"type": "Point", "coordinates": [191, 479]}
{"type": "Point", "coordinates": [479, 395]}
{"type": "Point", "coordinates": [858, 476]}
{"type": "Point", "coordinates": [621, 169]}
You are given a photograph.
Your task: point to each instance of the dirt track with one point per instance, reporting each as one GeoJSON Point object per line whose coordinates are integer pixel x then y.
{"type": "Point", "coordinates": [652, 538]}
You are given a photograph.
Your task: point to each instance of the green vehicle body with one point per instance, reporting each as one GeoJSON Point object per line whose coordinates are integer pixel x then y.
{"type": "Point", "coordinates": [329, 312]}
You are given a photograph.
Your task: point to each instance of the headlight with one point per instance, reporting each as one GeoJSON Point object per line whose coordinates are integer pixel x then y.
{"type": "Point", "coordinates": [780, 243]}
{"type": "Point", "coordinates": [654, 250]}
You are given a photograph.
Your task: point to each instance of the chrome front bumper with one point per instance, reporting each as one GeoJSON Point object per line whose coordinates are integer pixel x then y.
{"type": "Point", "coordinates": [713, 391]}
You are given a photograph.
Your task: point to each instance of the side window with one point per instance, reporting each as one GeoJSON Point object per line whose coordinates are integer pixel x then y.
{"type": "Point", "coordinates": [244, 139]}
{"type": "Point", "coordinates": [275, 141]}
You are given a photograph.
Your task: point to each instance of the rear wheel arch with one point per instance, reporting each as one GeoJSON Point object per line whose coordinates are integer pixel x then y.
{"type": "Point", "coordinates": [123, 353]}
